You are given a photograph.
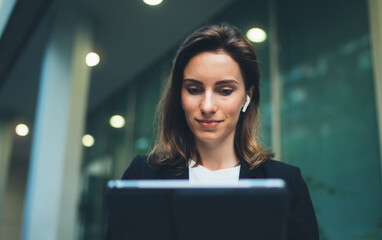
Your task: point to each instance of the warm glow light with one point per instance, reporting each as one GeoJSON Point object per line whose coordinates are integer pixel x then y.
{"type": "Point", "coordinates": [153, 2]}
{"type": "Point", "coordinates": [22, 130]}
{"type": "Point", "coordinates": [92, 59]}
{"type": "Point", "coordinates": [256, 35]}
{"type": "Point", "coordinates": [88, 140]}
{"type": "Point", "coordinates": [117, 121]}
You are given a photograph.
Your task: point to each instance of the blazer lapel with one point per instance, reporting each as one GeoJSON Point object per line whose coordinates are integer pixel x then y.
{"type": "Point", "coordinates": [177, 172]}
{"type": "Point", "coordinates": [245, 172]}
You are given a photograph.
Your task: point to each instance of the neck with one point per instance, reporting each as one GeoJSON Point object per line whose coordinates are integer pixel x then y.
{"type": "Point", "coordinates": [217, 155]}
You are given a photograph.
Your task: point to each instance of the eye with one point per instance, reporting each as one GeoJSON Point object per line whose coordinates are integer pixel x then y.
{"type": "Point", "coordinates": [193, 91]}
{"type": "Point", "coordinates": [225, 92]}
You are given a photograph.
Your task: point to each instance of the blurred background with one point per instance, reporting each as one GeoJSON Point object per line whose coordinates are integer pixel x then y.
{"type": "Point", "coordinates": [80, 81]}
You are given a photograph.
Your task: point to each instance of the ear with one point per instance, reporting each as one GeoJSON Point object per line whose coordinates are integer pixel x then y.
{"type": "Point", "coordinates": [250, 92]}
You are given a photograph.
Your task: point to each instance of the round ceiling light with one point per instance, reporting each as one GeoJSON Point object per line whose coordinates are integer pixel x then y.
{"type": "Point", "coordinates": [92, 59]}
{"type": "Point", "coordinates": [22, 130]}
{"type": "Point", "coordinates": [117, 121]}
{"type": "Point", "coordinates": [256, 35]}
{"type": "Point", "coordinates": [88, 140]}
{"type": "Point", "coordinates": [153, 2]}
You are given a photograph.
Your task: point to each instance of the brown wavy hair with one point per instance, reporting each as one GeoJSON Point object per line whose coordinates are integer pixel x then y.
{"type": "Point", "coordinates": [175, 141]}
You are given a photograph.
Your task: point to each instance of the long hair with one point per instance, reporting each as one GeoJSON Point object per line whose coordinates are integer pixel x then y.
{"type": "Point", "coordinates": [175, 142]}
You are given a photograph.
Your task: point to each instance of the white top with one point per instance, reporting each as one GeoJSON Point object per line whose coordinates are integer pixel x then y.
{"type": "Point", "coordinates": [200, 174]}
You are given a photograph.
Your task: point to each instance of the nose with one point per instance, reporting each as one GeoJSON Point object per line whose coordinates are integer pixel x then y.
{"type": "Point", "coordinates": [208, 104]}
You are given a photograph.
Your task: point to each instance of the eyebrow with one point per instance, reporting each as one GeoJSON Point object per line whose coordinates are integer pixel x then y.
{"type": "Point", "coordinates": [218, 83]}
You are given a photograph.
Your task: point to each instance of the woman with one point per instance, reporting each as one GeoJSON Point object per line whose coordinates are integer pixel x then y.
{"type": "Point", "coordinates": [207, 118]}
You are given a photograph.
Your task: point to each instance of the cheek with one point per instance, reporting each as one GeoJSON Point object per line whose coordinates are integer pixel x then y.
{"type": "Point", "coordinates": [233, 109]}
{"type": "Point", "coordinates": [187, 103]}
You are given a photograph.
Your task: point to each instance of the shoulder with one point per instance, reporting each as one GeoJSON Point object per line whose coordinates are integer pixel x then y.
{"type": "Point", "coordinates": [275, 169]}
{"type": "Point", "coordinates": [140, 168]}
{"type": "Point", "coordinates": [273, 166]}
{"type": "Point", "coordinates": [289, 173]}
{"type": "Point", "coordinates": [143, 167]}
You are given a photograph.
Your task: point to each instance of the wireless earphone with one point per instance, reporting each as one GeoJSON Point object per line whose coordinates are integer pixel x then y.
{"type": "Point", "coordinates": [246, 104]}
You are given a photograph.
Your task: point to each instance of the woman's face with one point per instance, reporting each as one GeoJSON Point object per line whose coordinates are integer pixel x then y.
{"type": "Point", "coordinates": [213, 94]}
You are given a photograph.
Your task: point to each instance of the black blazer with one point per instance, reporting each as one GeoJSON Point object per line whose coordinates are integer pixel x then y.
{"type": "Point", "coordinates": [301, 222]}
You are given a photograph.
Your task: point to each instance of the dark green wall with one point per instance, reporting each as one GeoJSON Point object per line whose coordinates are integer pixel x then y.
{"type": "Point", "coordinates": [329, 123]}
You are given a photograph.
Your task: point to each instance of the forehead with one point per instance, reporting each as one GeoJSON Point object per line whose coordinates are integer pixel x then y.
{"type": "Point", "coordinates": [213, 66]}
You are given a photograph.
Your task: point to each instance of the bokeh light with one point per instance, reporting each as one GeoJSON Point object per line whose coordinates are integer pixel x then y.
{"type": "Point", "coordinates": [88, 140]}
{"type": "Point", "coordinates": [256, 35]}
{"type": "Point", "coordinates": [92, 59]}
{"type": "Point", "coordinates": [22, 129]}
{"type": "Point", "coordinates": [117, 121]}
{"type": "Point", "coordinates": [153, 2]}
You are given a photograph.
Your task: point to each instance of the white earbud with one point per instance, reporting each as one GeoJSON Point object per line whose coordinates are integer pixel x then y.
{"type": "Point", "coordinates": [246, 104]}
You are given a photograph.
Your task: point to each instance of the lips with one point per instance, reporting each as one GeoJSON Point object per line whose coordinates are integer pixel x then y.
{"type": "Point", "coordinates": [208, 123]}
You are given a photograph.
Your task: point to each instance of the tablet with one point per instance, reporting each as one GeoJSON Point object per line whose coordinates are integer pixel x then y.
{"type": "Point", "coordinates": [179, 210]}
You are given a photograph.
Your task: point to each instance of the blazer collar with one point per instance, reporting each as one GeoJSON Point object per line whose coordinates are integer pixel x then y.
{"type": "Point", "coordinates": [181, 172]}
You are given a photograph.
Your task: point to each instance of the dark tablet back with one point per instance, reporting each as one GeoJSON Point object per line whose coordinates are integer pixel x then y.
{"type": "Point", "coordinates": [177, 210]}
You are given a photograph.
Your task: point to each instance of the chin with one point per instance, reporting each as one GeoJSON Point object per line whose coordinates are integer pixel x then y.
{"type": "Point", "coordinates": [207, 138]}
